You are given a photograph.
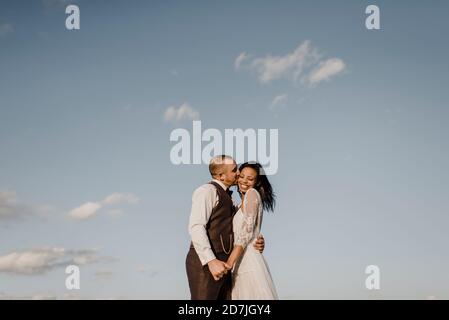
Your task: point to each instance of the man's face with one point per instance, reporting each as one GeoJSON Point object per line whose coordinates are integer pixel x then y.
{"type": "Point", "coordinates": [230, 173]}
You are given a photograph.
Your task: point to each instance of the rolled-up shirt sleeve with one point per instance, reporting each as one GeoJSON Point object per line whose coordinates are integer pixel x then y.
{"type": "Point", "coordinates": [203, 201]}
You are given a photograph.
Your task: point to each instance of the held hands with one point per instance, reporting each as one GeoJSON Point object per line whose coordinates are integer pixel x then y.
{"type": "Point", "coordinates": [229, 265]}
{"type": "Point", "coordinates": [218, 268]}
{"type": "Point", "coordinates": [259, 244]}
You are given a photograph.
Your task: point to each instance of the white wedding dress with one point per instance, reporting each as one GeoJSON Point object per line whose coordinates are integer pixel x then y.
{"type": "Point", "coordinates": [251, 275]}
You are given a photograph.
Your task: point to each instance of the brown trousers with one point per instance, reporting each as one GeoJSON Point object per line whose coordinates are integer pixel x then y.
{"type": "Point", "coordinates": [201, 282]}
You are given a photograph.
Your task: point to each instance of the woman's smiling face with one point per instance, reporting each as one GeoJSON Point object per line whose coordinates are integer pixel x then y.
{"type": "Point", "coordinates": [247, 179]}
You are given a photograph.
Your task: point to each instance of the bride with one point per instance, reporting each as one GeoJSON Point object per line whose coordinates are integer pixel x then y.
{"type": "Point", "coordinates": [251, 275]}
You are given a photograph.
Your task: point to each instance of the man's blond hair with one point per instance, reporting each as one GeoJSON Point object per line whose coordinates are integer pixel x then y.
{"type": "Point", "coordinates": [216, 164]}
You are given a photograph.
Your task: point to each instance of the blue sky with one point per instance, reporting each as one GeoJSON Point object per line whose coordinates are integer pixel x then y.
{"type": "Point", "coordinates": [363, 151]}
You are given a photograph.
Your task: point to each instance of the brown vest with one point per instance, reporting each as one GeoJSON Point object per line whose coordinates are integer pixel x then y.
{"type": "Point", "coordinates": [219, 227]}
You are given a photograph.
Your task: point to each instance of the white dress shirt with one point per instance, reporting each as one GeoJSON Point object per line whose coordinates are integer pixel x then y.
{"type": "Point", "coordinates": [204, 199]}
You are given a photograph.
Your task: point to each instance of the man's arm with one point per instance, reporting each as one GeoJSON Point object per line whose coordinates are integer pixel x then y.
{"type": "Point", "coordinates": [203, 201]}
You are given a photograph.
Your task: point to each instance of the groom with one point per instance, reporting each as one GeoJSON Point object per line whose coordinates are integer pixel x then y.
{"type": "Point", "coordinates": [210, 227]}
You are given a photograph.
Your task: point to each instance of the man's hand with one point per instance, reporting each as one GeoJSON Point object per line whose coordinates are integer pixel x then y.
{"type": "Point", "coordinates": [259, 245]}
{"type": "Point", "coordinates": [217, 268]}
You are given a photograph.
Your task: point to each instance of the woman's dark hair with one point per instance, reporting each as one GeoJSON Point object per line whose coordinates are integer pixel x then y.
{"type": "Point", "coordinates": [262, 185]}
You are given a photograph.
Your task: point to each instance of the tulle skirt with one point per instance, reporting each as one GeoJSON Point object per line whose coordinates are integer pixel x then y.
{"type": "Point", "coordinates": [252, 278]}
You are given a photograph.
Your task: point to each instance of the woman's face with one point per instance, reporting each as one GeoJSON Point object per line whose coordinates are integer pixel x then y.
{"type": "Point", "coordinates": [247, 179]}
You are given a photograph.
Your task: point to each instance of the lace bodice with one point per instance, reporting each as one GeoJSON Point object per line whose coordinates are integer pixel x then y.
{"type": "Point", "coordinates": [248, 219]}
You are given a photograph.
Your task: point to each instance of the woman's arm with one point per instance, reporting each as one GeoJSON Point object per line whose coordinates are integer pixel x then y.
{"type": "Point", "coordinates": [250, 209]}
{"type": "Point", "coordinates": [234, 256]}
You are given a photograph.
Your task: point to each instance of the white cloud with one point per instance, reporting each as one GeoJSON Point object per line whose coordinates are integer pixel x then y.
{"type": "Point", "coordinates": [43, 296]}
{"type": "Point", "coordinates": [238, 61]}
{"type": "Point", "coordinates": [325, 70]}
{"type": "Point", "coordinates": [293, 66]}
{"type": "Point", "coordinates": [86, 210]}
{"type": "Point", "coordinates": [104, 273]}
{"type": "Point", "coordinates": [90, 209]}
{"type": "Point", "coordinates": [288, 66]}
{"type": "Point", "coordinates": [12, 208]}
{"type": "Point", "coordinates": [41, 260]}
{"type": "Point", "coordinates": [86, 258]}
{"type": "Point", "coordinates": [8, 204]}
{"type": "Point", "coordinates": [72, 296]}
{"type": "Point", "coordinates": [279, 101]}
{"type": "Point", "coordinates": [5, 29]}
{"type": "Point", "coordinates": [37, 296]}
{"type": "Point", "coordinates": [183, 112]}
{"type": "Point", "coordinates": [117, 198]}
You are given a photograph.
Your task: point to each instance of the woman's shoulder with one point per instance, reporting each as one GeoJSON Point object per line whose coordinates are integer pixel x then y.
{"type": "Point", "coordinates": [253, 193]}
